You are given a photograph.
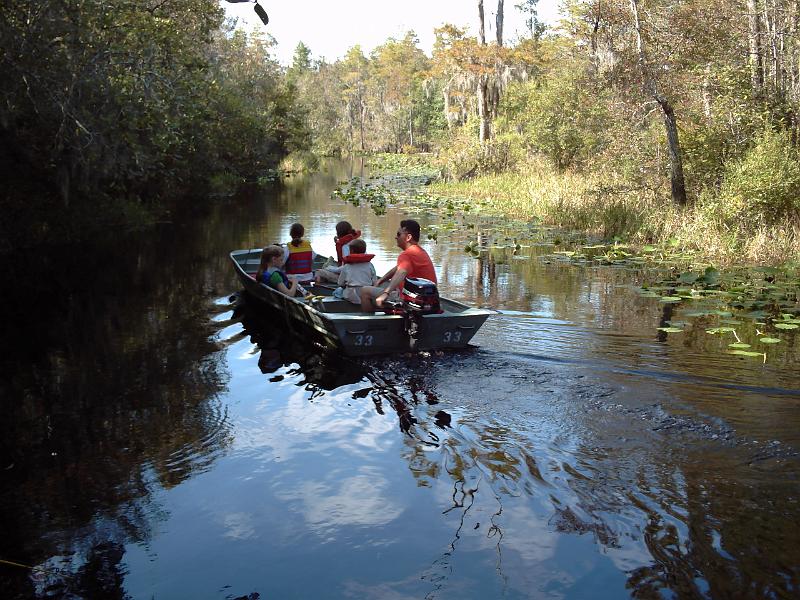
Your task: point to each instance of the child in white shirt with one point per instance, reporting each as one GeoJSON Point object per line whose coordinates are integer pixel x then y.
{"type": "Point", "coordinates": [357, 271]}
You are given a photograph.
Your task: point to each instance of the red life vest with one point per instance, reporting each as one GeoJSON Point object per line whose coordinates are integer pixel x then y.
{"type": "Point", "coordinates": [354, 258]}
{"type": "Point", "coordinates": [340, 243]}
{"type": "Point", "coordinates": [300, 259]}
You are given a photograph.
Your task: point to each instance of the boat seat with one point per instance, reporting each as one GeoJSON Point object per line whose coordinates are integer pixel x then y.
{"type": "Point", "coordinates": [337, 305]}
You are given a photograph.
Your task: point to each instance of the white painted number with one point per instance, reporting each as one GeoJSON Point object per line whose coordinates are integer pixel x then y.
{"type": "Point", "coordinates": [452, 336]}
{"type": "Point", "coordinates": [363, 340]}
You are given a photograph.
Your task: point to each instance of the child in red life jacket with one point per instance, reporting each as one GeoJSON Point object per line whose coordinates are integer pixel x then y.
{"type": "Point", "coordinates": [299, 256]}
{"type": "Point", "coordinates": [356, 272]}
{"type": "Point", "coordinates": [345, 234]}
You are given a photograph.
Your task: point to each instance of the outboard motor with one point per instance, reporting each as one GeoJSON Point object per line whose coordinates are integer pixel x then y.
{"type": "Point", "coordinates": [419, 297]}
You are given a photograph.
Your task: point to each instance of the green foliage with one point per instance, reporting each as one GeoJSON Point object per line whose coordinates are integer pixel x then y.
{"type": "Point", "coordinates": [382, 102]}
{"type": "Point", "coordinates": [764, 186]}
{"type": "Point", "coordinates": [117, 109]}
{"type": "Point", "coordinates": [562, 116]}
{"type": "Point", "coordinates": [705, 148]}
{"type": "Point", "coordinates": [463, 157]}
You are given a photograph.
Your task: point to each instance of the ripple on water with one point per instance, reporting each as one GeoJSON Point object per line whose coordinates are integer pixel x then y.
{"type": "Point", "coordinates": [193, 455]}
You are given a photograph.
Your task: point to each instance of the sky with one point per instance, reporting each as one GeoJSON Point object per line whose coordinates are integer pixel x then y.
{"type": "Point", "coordinates": [331, 27]}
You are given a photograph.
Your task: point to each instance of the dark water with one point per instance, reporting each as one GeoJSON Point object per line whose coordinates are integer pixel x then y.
{"type": "Point", "coordinates": [162, 439]}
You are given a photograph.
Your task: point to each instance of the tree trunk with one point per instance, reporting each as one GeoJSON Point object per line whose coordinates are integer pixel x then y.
{"type": "Point", "coordinates": [706, 93]}
{"type": "Point", "coordinates": [675, 161]}
{"type": "Point", "coordinates": [483, 109]}
{"type": "Point", "coordinates": [362, 110]}
{"type": "Point", "coordinates": [499, 22]}
{"type": "Point", "coordinates": [670, 122]}
{"type": "Point", "coordinates": [361, 128]}
{"type": "Point", "coordinates": [411, 127]}
{"type": "Point", "coordinates": [754, 38]}
{"type": "Point", "coordinates": [481, 30]}
{"type": "Point", "coordinates": [483, 87]}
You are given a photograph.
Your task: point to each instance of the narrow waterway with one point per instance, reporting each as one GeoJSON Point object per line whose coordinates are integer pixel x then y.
{"type": "Point", "coordinates": [164, 438]}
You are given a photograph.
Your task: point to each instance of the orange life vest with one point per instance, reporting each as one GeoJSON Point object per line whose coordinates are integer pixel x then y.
{"type": "Point", "coordinates": [354, 258]}
{"type": "Point", "coordinates": [340, 243]}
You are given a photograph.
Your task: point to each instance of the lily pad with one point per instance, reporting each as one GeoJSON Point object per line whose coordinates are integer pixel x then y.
{"type": "Point", "coordinates": [717, 330]}
{"type": "Point", "coordinates": [768, 340]}
{"type": "Point", "coordinates": [671, 299]}
{"type": "Point", "coordinates": [711, 276]}
{"type": "Point", "coordinates": [786, 326]}
{"type": "Point", "coordinates": [756, 314]}
{"type": "Point", "coordinates": [746, 353]}
{"type": "Point", "coordinates": [739, 346]}
{"type": "Point", "coordinates": [671, 329]}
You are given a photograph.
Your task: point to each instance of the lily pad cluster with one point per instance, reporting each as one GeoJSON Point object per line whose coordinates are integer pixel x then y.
{"type": "Point", "coordinates": [617, 253]}
{"type": "Point", "coordinates": [457, 217]}
{"type": "Point", "coordinates": [379, 192]}
{"type": "Point", "coordinates": [760, 304]}
{"type": "Point", "coordinates": [355, 191]}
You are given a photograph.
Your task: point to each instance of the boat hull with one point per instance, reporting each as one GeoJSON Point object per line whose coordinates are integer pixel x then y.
{"type": "Point", "coordinates": [341, 323]}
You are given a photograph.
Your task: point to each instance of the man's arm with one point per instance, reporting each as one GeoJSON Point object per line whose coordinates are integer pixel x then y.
{"type": "Point", "coordinates": [389, 274]}
{"type": "Point", "coordinates": [399, 276]}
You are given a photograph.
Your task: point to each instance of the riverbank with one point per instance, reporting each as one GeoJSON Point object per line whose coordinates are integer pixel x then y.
{"type": "Point", "coordinates": [611, 210]}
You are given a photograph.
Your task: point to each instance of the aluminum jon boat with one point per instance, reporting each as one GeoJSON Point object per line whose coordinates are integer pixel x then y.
{"type": "Point", "coordinates": [343, 325]}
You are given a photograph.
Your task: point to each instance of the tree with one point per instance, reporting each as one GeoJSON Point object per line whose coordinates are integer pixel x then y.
{"type": "Point", "coordinates": [535, 26]}
{"type": "Point", "coordinates": [114, 108]}
{"type": "Point", "coordinates": [670, 122]}
{"type": "Point", "coordinates": [355, 74]}
{"type": "Point", "coordinates": [399, 67]}
{"type": "Point", "coordinates": [488, 90]}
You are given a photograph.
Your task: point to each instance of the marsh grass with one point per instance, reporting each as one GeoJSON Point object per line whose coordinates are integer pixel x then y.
{"type": "Point", "coordinates": [299, 161]}
{"type": "Point", "coordinates": [609, 209]}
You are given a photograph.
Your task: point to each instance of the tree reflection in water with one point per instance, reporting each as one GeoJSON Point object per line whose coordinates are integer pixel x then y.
{"type": "Point", "coordinates": [576, 463]}
{"type": "Point", "coordinates": [105, 398]}
{"type": "Point", "coordinates": [284, 343]}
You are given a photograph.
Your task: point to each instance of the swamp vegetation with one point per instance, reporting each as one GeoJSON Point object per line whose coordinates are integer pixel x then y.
{"type": "Point", "coordinates": [633, 120]}
{"type": "Point", "coordinates": [116, 114]}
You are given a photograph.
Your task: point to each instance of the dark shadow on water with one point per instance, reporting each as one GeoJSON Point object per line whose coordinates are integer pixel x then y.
{"type": "Point", "coordinates": [284, 344]}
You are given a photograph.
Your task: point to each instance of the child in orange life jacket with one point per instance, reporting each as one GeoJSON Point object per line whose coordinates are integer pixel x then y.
{"type": "Point", "coordinates": [270, 273]}
{"type": "Point", "coordinates": [357, 271]}
{"type": "Point", "coordinates": [299, 256]}
{"type": "Point", "coordinates": [345, 234]}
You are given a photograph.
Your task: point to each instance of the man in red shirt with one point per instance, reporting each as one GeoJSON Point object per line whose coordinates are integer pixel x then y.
{"type": "Point", "coordinates": [412, 262]}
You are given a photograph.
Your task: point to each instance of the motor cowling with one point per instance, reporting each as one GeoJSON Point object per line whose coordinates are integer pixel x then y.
{"type": "Point", "coordinates": [420, 296]}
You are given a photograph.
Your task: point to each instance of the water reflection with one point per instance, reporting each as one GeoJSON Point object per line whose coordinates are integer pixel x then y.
{"type": "Point", "coordinates": [669, 512]}
{"type": "Point", "coordinates": [162, 439]}
{"type": "Point", "coordinates": [104, 397]}
{"type": "Point", "coordinates": [280, 344]}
